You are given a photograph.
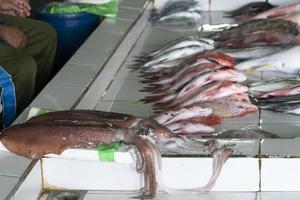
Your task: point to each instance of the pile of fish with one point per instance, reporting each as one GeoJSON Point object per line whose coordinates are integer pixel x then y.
{"type": "Point", "coordinates": [280, 95]}
{"type": "Point", "coordinates": [263, 44]}
{"type": "Point", "coordinates": [178, 14]}
{"type": "Point", "coordinates": [57, 131]}
{"type": "Point", "coordinates": [195, 91]}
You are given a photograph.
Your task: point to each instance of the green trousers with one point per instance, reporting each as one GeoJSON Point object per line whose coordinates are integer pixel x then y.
{"type": "Point", "coordinates": [30, 67]}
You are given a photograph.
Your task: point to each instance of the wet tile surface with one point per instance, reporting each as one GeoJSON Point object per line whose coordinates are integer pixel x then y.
{"type": "Point", "coordinates": [278, 195]}
{"type": "Point", "coordinates": [269, 117]}
{"type": "Point", "coordinates": [116, 26]}
{"type": "Point", "coordinates": [128, 107]}
{"type": "Point", "coordinates": [7, 184]}
{"type": "Point", "coordinates": [124, 90]}
{"type": "Point", "coordinates": [90, 55]}
{"type": "Point", "coordinates": [283, 130]}
{"type": "Point", "coordinates": [75, 74]}
{"type": "Point", "coordinates": [107, 40]}
{"type": "Point", "coordinates": [128, 13]}
{"type": "Point", "coordinates": [31, 187]}
{"type": "Point", "coordinates": [126, 73]}
{"type": "Point", "coordinates": [57, 97]}
{"type": "Point", "coordinates": [281, 147]}
{"type": "Point", "coordinates": [133, 4]}
{"type": "Point", "coordinates": [206, 196]}
{"type": "Point", "coordinates": [251, 118]}
{"type": "Point", "coordinates": [12, 165]}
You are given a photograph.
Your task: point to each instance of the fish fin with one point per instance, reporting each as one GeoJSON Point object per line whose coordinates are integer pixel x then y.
{"type": "Point", "coordinates": [263, 67]}
{"type": "Point", "coordinates": [251, 70]}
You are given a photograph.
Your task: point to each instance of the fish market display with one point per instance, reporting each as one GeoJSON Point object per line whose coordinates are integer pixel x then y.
{"type": "Point", "coordinates": [58, 131]}
{"type": "Point", "coordinates": [280, 95]}
{"type": "Point", "coordinates": [178, 14]}
{"type": "Point", "coordinates": [285, 61]}
{"type": "Point", "coordinates": [205, 80]}
{"type": "Point", "coordinates": [249, 10]}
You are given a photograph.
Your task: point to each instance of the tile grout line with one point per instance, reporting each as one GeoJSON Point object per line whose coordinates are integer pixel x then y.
{"type": "Point", "coordinates": [9, 176]}
{"type": "Point", "coordinates": [21, 180]}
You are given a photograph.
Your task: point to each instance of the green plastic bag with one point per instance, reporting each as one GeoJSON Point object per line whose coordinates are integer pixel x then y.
{"type": "Point", "coordinates": [109, 9]}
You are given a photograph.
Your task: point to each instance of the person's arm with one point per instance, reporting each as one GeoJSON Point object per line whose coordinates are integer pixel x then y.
{"type": "Point", "coordinates": [13, 36]}
{"type": "Point", "coordinates": [15, 7]}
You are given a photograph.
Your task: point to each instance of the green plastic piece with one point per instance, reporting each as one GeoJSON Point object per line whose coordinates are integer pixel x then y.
{"type": "Point", "coordinates": [42, 111]}
{"type": "Point", "coordinates": [107, 152]}
{"type": "Point", "coordinates": [109, 9]}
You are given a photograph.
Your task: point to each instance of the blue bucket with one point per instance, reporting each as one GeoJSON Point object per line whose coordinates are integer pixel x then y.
{"type": "Point", "coordinates": [72, 30]}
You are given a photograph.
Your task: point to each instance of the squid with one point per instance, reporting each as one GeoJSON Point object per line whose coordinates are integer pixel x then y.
{"type": "Point", "coordinates": [57, 131]}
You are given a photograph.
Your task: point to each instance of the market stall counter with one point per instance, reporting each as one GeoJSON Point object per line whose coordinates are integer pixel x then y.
{"type": "Point", "coordinates": [98, 77]}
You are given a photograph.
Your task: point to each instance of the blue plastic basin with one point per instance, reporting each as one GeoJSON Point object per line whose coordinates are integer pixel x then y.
{"type": "Point", "coordinates": [72, 30]}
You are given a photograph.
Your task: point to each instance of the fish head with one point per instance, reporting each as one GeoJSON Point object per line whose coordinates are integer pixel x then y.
{"type": "Point", "coordinates": [242, 108]}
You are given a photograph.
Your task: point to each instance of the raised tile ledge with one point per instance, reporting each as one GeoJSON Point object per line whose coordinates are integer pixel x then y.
{"type": "Point", "coordinates": [280, 148]}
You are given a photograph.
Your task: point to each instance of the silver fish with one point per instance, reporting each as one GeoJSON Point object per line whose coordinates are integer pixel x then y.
{"type": "Point", "coordinates": [286, 61]}
{"type": "Point", "coordinates": [174, 6]}
{"type": "Point", "coordinates": [289, 107]}
{"type": "Point", "coordinates": [182, 114]}
{"type": "Point", "coordinates": [182, 18]}
{"type": "Point", "coordinates": [278, 99]}
{"type": "Point", "coordinates": [262, 87]}
{"type": "Point", "coordinates": [182, 42]}
{"type": "Point", "coordinates": [251, 53]}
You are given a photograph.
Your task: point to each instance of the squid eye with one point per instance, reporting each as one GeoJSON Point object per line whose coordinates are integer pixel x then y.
{"type": "Point", "coordinates": [144, 132]}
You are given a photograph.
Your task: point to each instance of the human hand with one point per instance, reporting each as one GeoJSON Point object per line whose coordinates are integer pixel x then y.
{"type": "Point", "coordinates": [15, 7]}
{"type": "Point", "coordinates": [14, 36]}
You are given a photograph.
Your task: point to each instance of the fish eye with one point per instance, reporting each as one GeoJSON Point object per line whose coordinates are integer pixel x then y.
{"type": "Point", "coordinates": [144, 132]}
{"type": "Point", "coordinates": [147, 132]}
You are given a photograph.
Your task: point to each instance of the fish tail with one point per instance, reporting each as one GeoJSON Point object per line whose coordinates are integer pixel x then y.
{"type": "Point", "coordinates": [153, 99]}
{"type": "Point", "coordinates": [156, 90]}
{"type": "Point", "coordinates": [146, 81]}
